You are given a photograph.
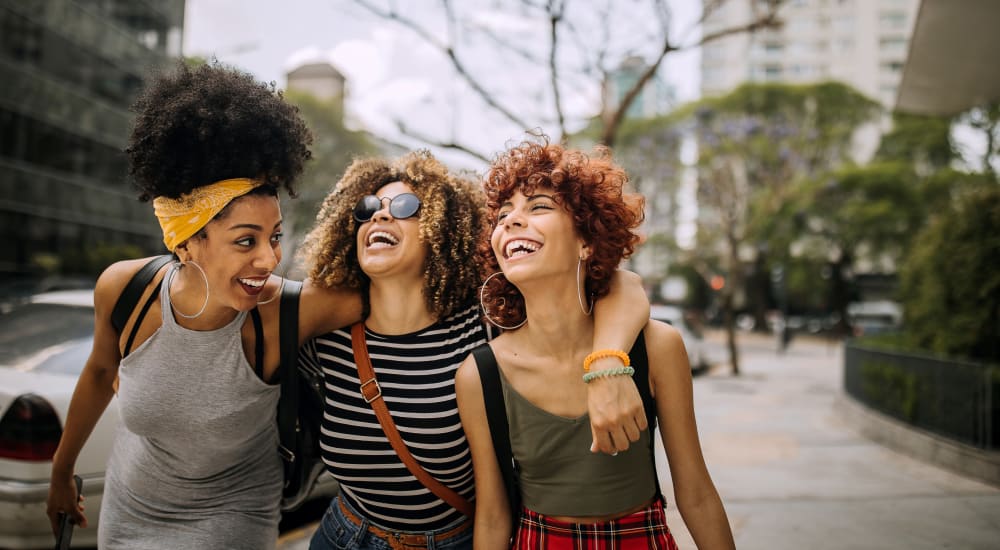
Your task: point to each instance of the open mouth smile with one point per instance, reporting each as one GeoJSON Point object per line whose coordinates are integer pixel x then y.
{"type": "Point", "coordinates": [381, 239]}
{"type": "Point", "coordinates": [520, 247]}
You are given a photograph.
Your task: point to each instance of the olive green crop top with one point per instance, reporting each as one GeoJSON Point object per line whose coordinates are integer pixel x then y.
{"type": "Point", "coordinates": [559, 476]}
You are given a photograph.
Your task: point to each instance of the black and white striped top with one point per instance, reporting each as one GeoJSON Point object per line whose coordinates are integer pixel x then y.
{"type": "Point", "coordinates": [417, 375]}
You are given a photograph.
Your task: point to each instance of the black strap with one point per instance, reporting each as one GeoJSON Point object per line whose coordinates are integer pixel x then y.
{"type": "Point", "coordinates": [138, 320]}
{"type": "Point", "coordinates": [288, 334]}
{"type": "Point", "coordinates": [496, 416]}
{"type": "Point", "coordinates": [258, 343]}
{"type": "Point", "coordinates": [129, 297]}
{"type": "Point", "coordinates": [496, 412]}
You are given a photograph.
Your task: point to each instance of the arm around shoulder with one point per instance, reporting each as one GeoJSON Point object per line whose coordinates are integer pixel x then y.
{"type": "Point", "coordinates": [323, 309]}
{"type": "Point", "coordinates": [492, 522]}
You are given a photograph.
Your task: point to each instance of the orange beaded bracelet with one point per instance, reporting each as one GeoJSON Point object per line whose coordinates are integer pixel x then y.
{"type": "Point", "coordinates": [601, 354]}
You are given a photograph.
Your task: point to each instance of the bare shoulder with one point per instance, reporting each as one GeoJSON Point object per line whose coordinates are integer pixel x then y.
{"type": "Point", "coordinates": [665, 346]}
{"type": "Point", "coordinates": [467, 375]}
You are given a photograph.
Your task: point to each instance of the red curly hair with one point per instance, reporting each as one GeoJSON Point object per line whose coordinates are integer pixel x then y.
{"type": "Point", "coordinates": [589, 187]}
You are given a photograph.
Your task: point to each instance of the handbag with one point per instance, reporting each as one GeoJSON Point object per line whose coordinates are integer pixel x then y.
{"type": "Point", "coordinates": [373, 396]}
{"type": "Point", "coordinates": [300, 408]}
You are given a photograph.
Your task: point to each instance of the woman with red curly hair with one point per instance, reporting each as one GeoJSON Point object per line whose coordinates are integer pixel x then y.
{"type": "Point", "coordinates": [561, 225]}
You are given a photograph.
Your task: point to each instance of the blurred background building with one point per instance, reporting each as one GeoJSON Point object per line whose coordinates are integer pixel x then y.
{"type": "Point", "coordinates": [70, 70]}
{"type": "Point", "coordinates": [859, 42]}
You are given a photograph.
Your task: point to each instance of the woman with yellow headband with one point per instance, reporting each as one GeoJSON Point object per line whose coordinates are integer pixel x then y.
{"type": "Point", "coordinates": [194, 464]}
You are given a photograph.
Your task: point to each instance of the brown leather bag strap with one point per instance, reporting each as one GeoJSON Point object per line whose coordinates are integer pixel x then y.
{"type": "Point", "coordinates": [372, 393]}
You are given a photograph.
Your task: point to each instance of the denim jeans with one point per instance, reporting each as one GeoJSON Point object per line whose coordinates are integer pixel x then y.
{"type": "Point", "coordinates": [336, 532]}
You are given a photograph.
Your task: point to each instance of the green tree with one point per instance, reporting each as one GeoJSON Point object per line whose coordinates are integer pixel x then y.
{"type": "Point", "coordinates": [950, 283]}
{"type": "Point", "coordinates": [921, 140]}
{"type": "Point", "coordinates": [754, 144]}
{"type": "Point", "coordinates": [866, 212]}
{"type": "Point", "coordinates": [333, 148]}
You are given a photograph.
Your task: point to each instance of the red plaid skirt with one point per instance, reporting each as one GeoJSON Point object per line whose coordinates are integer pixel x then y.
{"type": "Point", "coordinates": [646, 528]}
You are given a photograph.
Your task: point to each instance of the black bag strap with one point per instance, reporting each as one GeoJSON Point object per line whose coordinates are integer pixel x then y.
{"type": "Point", "coordinates": [496, 412]}
{"type": "Point", "coordinates": [129, 297]}
{"type": "Point", "coordinates": [258, 343]}
{"type": "Point", "coordinates": [496, 416]}
{"type": "Point", "coordinates": [138, 320]}
{"type": "Point", "coordinates": [288, 404]}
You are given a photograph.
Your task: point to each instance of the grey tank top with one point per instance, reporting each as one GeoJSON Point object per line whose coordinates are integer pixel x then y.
{"type": "Point", "coordinates": [195, 462]}
{"type": "Point", "coordinates": [557, 473]}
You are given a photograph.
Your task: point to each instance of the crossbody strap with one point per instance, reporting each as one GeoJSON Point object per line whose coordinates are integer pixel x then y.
{"type": "Point", "coordinates": [373, 396]}
{"type": "Point", "coordinates": [288, 337]}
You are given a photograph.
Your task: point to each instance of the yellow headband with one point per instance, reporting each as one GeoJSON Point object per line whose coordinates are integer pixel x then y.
{"type": "Point", "coordinates": [181, 218]}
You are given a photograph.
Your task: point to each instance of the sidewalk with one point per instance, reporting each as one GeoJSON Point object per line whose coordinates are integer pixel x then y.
{"type": "Point", "coordinates": [793, 475]}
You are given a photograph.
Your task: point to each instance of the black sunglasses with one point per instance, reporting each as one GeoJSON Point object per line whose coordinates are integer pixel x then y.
{"type": "Point", "coordinates": [402, 206]}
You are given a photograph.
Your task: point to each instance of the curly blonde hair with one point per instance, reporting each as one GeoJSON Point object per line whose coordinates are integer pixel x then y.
{"type": "Point", "coordinates": [452, 218]}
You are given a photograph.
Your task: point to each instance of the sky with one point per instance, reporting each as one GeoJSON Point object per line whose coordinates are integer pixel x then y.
{"type": "Point", "coordinates": [392, 76]}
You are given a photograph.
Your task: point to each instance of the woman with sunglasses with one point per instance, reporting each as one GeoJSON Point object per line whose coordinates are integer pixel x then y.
{"type": "Point", "coordinates": [195, 463]}
{"type": "Point", "coordinates": [405, 234]}
{"type": "Point", "coordinates": [561, 224]}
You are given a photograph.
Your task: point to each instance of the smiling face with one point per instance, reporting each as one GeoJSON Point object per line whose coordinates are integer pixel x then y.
{"type": "Point", "coordinates": [535, 237]}
{"type": "Point", "coordinates": [389, 247]}
{"type": "Point", "coordinates": [238, 251]}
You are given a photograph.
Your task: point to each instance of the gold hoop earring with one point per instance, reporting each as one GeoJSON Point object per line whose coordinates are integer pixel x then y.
{"type": "Point", "coordinates": [580, 291]}
{"type": "Point", "coordinates": [208, 290]}
{"type": "Point", "coordinates": [276, 294]}
{"type": "Point", "coordinates": [486, 313]}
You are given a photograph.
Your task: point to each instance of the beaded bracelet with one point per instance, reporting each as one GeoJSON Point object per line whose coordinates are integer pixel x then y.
{"type": "Point", "coordinates": [601, 354]}
{"type": "Point", "coordinates": [608, 372]}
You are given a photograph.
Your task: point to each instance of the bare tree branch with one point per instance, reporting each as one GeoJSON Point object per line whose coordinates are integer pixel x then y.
{"type": "Point", "coordinates": [403, 129]}
{"type": "Point", "coordinates": [555, 10]}
{"type": "Point", "coordinates": [768, 20]}
{"type": "Point", "coordinates": [449, 52]}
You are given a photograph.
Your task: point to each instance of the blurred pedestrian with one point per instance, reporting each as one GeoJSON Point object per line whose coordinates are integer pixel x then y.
{"type": "Point", "coordinates": [561, 225]}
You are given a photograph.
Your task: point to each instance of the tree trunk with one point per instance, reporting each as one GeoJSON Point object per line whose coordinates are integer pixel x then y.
{"type": "Point", "coordinates": [729, 317]}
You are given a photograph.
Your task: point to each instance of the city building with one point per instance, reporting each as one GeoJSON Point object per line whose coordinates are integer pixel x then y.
{"type": "Point", "coordinates": [953, 42]}
{"type": "Point", "coordinates": [322, 80]}
{"type": "Point", "coordinates": [862, 43]}
{"type": "Point", "coordinates": [70, 70]}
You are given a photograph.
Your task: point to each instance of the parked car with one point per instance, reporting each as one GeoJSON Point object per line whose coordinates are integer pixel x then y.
{"type": "Point", "coordinates": [693, 339]}
{"type": "Point", "coordinates": [875, 317]}
{"type": "Point", "coordinates": [44, 343]}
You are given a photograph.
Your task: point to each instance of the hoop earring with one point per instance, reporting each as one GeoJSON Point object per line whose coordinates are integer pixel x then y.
{"type": "Point", "coordinates": [486, 313]}
{"type": "Point", "coordinates": [276, 294]}
{"type": "Point", "coordinates": [579, 290]}
{"type": "Point", "coordinates": [208, 290]}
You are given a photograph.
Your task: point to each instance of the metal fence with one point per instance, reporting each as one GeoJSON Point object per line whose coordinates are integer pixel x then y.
{"type": "Point", "coordinates": [955, 399]}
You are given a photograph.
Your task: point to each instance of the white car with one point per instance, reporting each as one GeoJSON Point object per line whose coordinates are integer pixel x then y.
{"type": "Point", "coordinates": [693, 341]}
{"type": "Point", "coordinates": [43, 346]}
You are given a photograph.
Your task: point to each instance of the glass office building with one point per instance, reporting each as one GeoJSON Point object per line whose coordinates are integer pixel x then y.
{"type": "Point", "coordinates": [69, 72]}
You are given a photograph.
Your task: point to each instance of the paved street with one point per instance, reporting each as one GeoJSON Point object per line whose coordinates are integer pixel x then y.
{"type": "Point", "coordinates": [793, 475]}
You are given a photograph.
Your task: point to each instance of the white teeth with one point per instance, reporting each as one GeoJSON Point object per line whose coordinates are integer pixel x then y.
{"type": "Point", "coordinates": [382, 237]}
{"type": "Point", "coordinates": [520, 247]}
{"type": "Point", "coordinates": [253, 282]}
